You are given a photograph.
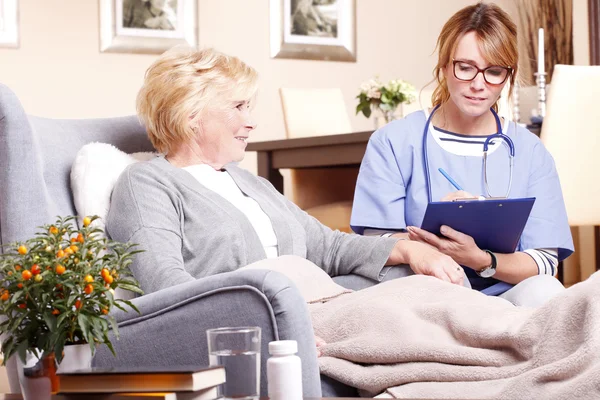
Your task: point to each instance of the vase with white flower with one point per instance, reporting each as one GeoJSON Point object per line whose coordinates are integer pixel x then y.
{"type": "Point", "coordinates": [385, 98]}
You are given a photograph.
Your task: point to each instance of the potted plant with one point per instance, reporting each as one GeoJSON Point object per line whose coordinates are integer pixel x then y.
{"type": "Point", "coordinates": [57, 288]}
{"type": "Point", "coordinates": [384, 97]}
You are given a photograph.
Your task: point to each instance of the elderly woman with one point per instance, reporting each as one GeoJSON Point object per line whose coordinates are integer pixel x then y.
{"type": "Point", "coordinates": [196, 213]}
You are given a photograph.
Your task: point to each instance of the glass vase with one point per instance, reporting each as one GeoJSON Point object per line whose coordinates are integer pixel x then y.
{"type": "Point", "coordinates": [389, 116]}
{"type": "Point", "coordinates": [384, 117]}
{"type": "Point", "coordinates": [37, 377]}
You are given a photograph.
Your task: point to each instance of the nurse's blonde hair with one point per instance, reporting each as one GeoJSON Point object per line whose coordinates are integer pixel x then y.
{"type": "Point", "coordinates": [181, 83]}
{"type": "Point", "coordinates": [497, 36]}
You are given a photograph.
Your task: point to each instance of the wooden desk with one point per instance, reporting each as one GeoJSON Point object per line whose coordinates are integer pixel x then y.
{"type": "Point", "coordinates": [344, 150]}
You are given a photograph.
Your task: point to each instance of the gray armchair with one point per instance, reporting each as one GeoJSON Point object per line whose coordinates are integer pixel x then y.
{"type": "Point", "coordinates": [35, 161]}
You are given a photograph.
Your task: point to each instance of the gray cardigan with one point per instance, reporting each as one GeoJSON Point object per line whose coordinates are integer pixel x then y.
{"type": "Point", "coordinates": [188, 231]}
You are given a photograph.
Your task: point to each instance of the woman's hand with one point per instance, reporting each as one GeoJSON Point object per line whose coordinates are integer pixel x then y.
{"type": "Point", "coordinates": [426, 260]}
{"type": "Point", "coordinates": [320, 342]}
{"type": "Point", "coordinates": [459, 246]}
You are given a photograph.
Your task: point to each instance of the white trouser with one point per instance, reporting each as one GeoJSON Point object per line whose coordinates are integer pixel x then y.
{"type": "Point", "coordinates": [534, 291]}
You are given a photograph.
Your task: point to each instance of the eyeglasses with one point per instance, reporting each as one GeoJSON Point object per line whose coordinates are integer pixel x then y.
{"type": "Point", "coordinates": [494, 75]}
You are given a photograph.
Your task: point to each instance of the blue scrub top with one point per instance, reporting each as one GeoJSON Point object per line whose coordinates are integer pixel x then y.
{"type": "Point", "coordinates": [391, 190]}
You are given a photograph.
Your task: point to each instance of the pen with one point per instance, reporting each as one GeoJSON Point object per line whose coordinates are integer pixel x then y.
{"type": "Point", "coordinates": [452, 181]}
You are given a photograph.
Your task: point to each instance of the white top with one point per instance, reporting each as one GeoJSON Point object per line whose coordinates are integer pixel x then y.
{"type": "Point", "coordinates": [464, 145]}
{"type": "Point", "coordinates": [221, 183]}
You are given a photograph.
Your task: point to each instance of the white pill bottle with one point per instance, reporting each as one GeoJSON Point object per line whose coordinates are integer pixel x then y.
{"type": "Point", "coordinates": [284, 371]}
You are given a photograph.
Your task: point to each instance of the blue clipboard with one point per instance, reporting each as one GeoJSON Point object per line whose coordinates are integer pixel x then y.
{"type": "Point", "coordinates": [495, 224]}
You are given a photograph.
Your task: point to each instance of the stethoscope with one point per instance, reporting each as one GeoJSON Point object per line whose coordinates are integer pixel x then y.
{"type": "Point", "coordinates": [497, 135]}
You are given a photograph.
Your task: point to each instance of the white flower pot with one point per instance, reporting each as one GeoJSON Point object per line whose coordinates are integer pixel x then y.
{"type": "Point", "coordinates": [76, 356]}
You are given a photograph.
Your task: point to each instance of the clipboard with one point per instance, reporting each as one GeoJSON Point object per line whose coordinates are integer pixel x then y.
{"type": "Point", "coordinates": [495, 224]}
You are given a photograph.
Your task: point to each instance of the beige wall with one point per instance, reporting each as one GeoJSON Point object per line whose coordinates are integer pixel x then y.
{"type": "Point", "coordinates": [581, 33]}
{"type": "Point", "coordinates": [59, 72]}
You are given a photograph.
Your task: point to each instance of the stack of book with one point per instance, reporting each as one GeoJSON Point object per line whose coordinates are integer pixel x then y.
{"type": "Point", "coordinates": [182, 383]}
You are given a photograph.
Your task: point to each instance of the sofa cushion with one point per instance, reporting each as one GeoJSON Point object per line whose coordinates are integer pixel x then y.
{"type": "Point", "coordinates": [94, 174]}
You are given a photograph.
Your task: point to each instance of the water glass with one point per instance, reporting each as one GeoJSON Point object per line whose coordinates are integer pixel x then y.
{"type": "Point", "coordinates": [238, 350]}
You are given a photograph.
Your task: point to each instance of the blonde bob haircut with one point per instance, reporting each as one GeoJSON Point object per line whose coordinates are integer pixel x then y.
{"type": "Point", "coordinates": [497, 35]}
{"type": "Point", "coordinates": [181, 84]}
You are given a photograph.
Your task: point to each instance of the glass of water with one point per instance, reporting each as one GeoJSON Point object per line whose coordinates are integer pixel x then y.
{"type": "Point", "coordinates": [238, 350]}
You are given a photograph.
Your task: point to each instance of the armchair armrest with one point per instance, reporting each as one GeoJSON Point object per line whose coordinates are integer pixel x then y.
{"type": "Point", "coordinates": [171, 327]}
{"type": "Point", "coordinates": [357, 282]}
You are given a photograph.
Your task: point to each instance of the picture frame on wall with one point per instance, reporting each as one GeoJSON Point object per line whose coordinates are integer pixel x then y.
{"type": "Point", "coordinates": [147, 26]}
{"type": "Point", "coordinates": [9, 23]}
{"type": "Point", "coordinates": [313, 29]}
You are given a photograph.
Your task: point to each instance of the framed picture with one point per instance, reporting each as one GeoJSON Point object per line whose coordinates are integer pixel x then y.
{"type": "Point", "coordinates": [9, 23]}
{"type": "Point", "coordinates": [147, 26]}
{"type": "Point", "coordinates": [313, 29]}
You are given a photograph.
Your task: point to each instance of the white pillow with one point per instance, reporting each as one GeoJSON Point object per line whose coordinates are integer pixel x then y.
{"type": "Point", "coordinates": [94, 173]}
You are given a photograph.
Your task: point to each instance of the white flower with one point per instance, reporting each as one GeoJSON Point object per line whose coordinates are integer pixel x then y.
{"type": "Point", "coordinates": [365, 87]}
{"type": "Point", "coordinates": [374, 93]}
{"type": "Point", "coordinates": [371, 86]}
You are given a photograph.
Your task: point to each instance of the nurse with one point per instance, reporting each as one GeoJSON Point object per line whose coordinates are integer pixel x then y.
{"type": "Point", "coordinates": [477, 57]}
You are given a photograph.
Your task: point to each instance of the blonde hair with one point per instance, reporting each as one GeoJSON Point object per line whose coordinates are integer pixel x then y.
{"type": "Point", "coordinates": [181, 83]}
{"type": "Point", "coordinates": [497, 35]}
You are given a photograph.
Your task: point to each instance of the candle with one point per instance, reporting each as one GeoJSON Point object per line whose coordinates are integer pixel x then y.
{"type": "Point", "coordinates": [541, 67]}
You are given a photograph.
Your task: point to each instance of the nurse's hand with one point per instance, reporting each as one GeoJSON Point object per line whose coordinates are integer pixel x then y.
{"type": "Point", "coordinates": [461, 194]}
{"type": "Point", "coordinates": [426, 260]}
{"type": "Point", "coordinates": [459, 246]}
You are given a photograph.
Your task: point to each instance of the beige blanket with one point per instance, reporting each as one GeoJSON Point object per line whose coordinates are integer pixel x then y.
{"type": "Point", "coordinates": [421, 337]}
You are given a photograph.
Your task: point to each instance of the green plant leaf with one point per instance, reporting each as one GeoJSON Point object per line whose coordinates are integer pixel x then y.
{"type": "Point", "coordinates": [8, 347]}
{"type": "Point", "coordinates": [61, 318]}
{"type": "Point", "coordinates": [59, 345]}
{"type": "Point", "coordinates": [50, 320]}
{"type": "Point", "coordinates": [17, 322]}
{"type": "Point", "coordinates": [131, 288]}
{"type": "Point", "coordinates": [16, 296]}
{"type": "Point", "coordinates": [367, 112]}
{"type": "Point", "coordinates": [84, 325]}
{"type": "Point", "coordinates": [113, 324]}
{"type": "Point", "coordinates": [110, 347]}
{"type": "Point", "coordinates": [120, 307]}
{"type": "Point", "coordinates": [130, 304]}
{"type": "Point", "coordinates": [22, 350]}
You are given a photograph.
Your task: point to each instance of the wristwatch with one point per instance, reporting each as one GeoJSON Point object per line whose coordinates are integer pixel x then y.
{"type": "Point", "coordinates": [490, 270]}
